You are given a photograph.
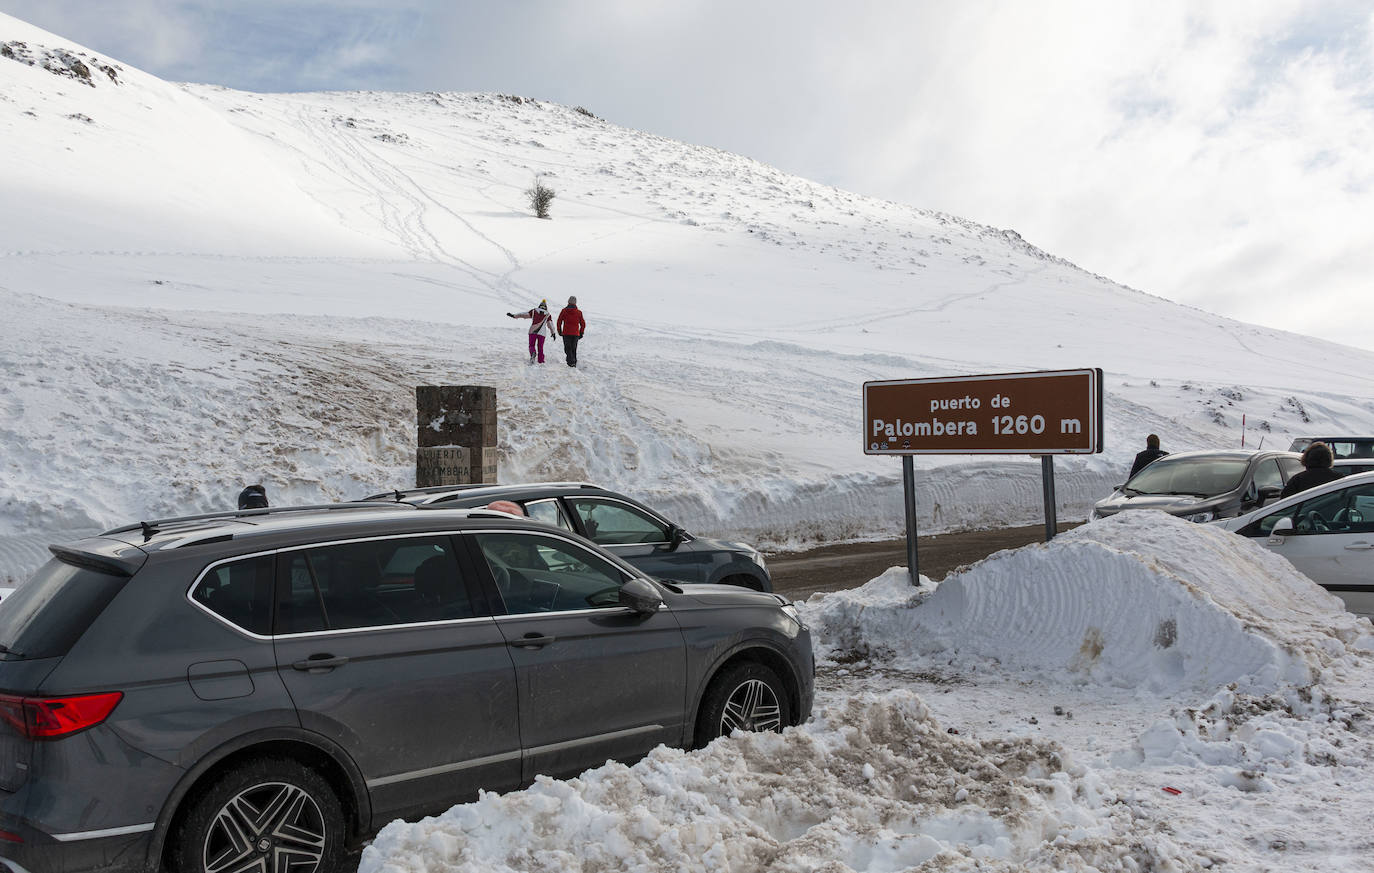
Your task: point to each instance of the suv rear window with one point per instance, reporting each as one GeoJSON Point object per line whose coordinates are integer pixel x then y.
{"type": "Point", "coordinates": [46, 615]}
{"type": "Point", "coordinates": [240, 592]}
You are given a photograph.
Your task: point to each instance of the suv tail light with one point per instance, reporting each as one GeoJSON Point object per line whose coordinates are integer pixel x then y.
{"type": "Point", "coordinates": [48, 718]}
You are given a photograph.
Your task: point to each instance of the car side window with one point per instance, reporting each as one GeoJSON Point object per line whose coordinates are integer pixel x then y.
{"type": "Point", "coordinates": [549, 512]}
{"type": "Point", "coordinates": [240, 592]}
{"type": "Point", "coordinates": [535, 573]}
{"type": "Point", "coordinates": [1265, 525]}
{"type": "Point", "coordinates": [1349, 510]}
{"type": "Point", "coordinates": [616, 524]}
{"type": "Point", "coordinates": [1290, 466]}
{"type": "Point", "coordinates": [1309, 517]}
{"type": "Point", "coordinates": [406, 580]}
{"type": "Point", "coordinates": [1267, 475]}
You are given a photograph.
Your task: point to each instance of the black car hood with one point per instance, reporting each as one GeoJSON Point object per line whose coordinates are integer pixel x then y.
{"type": "Point", "coordinates": [727, 595]}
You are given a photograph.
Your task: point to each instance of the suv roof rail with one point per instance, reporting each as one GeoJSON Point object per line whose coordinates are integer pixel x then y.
{"type": "Point", "coordinates": [399, 495]}
{"type": "Point", "coordinates": [151, 527]}
{"type": "Point", "coordinates": [476, 512]}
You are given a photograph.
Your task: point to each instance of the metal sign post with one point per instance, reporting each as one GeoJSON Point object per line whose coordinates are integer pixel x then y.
{"type": "Point", "coordinates": [1047, 477]}
{"type": "Point", "coordinates": [909, 487]}
{"type": "Point", "coordinates": [1044, 413]}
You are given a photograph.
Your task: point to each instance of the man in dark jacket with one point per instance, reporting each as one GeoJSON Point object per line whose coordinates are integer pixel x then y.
{"type": "Point", "coordinates": [1147, 457]}
{"type": "Point", "coordinates": [1316, 458]}
{"type": "Point", "coordinates": [571, 325]}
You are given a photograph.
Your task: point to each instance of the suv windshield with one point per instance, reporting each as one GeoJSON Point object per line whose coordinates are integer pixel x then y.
{"type": "Point", "coordinates": [1200, 477]}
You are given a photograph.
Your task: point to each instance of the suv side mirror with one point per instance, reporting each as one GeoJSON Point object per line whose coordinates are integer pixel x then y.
{"type": "Point", "coordinates": [640, 596]}
{"type": "Point", "coordinates": [1269, 492]}
{"type": "Point", "coordinates": [1282, 528]}
{"type": "Point", "coordinates": [675, 537]}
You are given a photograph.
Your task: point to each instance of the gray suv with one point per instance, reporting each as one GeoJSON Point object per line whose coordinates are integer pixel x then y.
{"type": "Point", "coordinates": [617, 523]}
{"type": "Point", "coordinates": [262, 689]}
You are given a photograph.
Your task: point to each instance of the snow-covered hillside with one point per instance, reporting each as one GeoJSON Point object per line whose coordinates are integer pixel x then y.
{"type": "Point", "coordinates": [201, 287]}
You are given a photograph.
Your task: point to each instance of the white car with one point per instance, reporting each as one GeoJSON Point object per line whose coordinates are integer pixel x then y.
{"type": "Point", "coordinates": [1327, 532]}
{"type": "Point", "coordinates": [1351, 466]}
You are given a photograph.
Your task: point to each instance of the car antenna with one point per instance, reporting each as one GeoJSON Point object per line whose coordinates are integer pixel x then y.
{"type": "Point", "coordinates": [398, 494]}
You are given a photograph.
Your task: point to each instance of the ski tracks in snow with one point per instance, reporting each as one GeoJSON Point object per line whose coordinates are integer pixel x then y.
{"type": "Point", "coordinates": [402, 205]}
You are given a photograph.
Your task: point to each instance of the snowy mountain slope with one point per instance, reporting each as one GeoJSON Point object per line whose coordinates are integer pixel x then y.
{"type": "Point", "coordinates": [204, 286]}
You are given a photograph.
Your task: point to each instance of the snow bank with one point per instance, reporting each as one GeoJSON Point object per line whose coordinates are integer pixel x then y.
{"type": "Point", "coordinates": [1138, 600]}
{"type": "Point", "coordinates": [872, 785]}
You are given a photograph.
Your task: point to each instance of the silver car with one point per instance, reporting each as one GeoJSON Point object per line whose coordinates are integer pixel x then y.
{"type": "Point", "coordinates": [1204, 486]}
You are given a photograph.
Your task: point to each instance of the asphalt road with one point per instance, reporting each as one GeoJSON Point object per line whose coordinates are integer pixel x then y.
{"type": "Point", "coordinates": [798, 575]}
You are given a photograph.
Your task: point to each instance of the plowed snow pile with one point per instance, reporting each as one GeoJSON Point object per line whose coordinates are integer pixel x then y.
{"type": "Point", "coordinates": [872, 785]}
{"type": "Point", "coordinates": [1141, 599]}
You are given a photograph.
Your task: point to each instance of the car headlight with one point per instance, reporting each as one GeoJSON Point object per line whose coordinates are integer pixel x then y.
{"type": "Point", "coordinates": [791, 612]}
{"type": "Point", "coordinates": [1200, 517]}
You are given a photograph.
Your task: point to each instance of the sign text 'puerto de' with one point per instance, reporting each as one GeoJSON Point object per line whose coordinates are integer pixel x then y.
{"type": "Point", "coordinates": [1051, 412]}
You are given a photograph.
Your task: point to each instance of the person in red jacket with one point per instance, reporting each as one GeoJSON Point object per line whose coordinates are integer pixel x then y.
{"type": "Point", "coordinates": [572, 325]}
{"type": "Point", "coordinates": [540, 322]}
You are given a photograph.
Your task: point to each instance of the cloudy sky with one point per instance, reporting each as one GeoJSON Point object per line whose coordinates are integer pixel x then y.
{"type": "Point", "coordinates": [1216, 153]}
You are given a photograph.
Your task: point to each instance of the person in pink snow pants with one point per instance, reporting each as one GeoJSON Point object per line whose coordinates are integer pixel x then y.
{"type": "Point", "coordinates": [540, 321]}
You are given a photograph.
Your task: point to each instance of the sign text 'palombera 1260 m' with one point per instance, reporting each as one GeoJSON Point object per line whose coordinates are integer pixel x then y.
{"type": "Point", "coordinates": [1048, 412]}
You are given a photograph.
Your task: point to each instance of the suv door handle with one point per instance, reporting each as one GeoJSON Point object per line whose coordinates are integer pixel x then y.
{"type": "Point", "coordinates": [1361, 546]}
{"type": "Point", "coordinates": [320, 663]}
{"type": "Point", "coordinates": [532, 641]}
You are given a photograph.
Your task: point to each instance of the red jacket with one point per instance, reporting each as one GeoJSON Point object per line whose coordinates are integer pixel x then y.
{"type": "Point", "coordinates": [570, 322]}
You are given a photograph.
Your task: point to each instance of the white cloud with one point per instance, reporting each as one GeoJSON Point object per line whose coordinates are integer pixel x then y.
{"type": "Point", "coordinates": [151, 34]}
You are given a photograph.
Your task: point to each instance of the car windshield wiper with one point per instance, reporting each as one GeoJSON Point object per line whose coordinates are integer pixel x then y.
{"type": "Point", "coordinates": [1126, 489]}
{"type": "Point", "coordinates": [1186, 494]}
{"type": "Point", "coordinates": [6, 650]}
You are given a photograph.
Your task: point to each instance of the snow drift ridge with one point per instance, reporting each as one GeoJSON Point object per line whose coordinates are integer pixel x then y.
{"type": "Point", "coordinates": [1141, 599]}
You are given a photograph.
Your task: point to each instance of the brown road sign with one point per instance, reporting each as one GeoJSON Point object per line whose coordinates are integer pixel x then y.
{"type": "Point", "coordinates": [1051, 412]}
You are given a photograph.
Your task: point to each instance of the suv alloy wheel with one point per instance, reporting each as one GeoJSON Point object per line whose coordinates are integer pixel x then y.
{"type": "Point", "coordinates": [747, 697]}
{"type": "Point", "coordinates": [272, 815]}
